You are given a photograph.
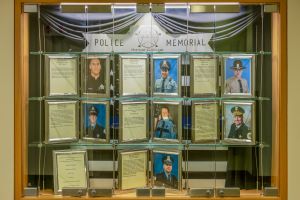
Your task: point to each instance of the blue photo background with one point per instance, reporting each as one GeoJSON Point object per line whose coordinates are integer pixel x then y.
{"type": "Point", "coordinates": [246, 62]}
{"type": "Point", "coordinates": [173, 68]}
{"type": "Point", "coordinates": [158, 165]}
{"type": "Point", "coordinates": [229, 116]}
{"type": "Point", "coordinates": [101, 118]}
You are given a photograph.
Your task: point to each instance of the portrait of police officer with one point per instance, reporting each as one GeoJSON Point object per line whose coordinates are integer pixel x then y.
{"type": "Point", "coordinates": [166, 178]}
{"type": "Point", "coordinates": [238, 129]}
{"type": "Point", "coordinates": [236, 83]}
{"type": "Point", "coordinates": [94, 79]}
{"type": "Point", "coordinates": [94, 130]}
{"type": "Point", "coordinates": [165, 84]}
{"type": "Point", "coordinates": [165, 126]}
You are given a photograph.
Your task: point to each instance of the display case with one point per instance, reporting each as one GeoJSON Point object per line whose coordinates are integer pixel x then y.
{"type": "Point", "coordinates": [150, 99]}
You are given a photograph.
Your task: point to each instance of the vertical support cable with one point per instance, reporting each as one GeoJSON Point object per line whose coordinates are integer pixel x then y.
{"type": "Point", "coordinates": [260, 94]}
{"type": "Point", "coordinates": [186, 58]}
{"type": "Point", "coordinates": [40, 101]}
{"type": "Point", "coordinates": [215, 57]}
{"type": "Point", "coordinates": [114, 146]}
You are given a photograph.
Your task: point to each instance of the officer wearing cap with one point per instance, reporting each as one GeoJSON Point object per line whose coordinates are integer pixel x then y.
{"type": "Point", "coordinates": [165, 84]}
{"type": "Point", "coordinates": [94, 82]}
{"type": "Point", "coordinates": [94, 130]}
{"type": "Point", "coordinates": [166, 178]}
{"type": "Point", "coordinates": [165, 127]}
{"type": "Point", "coordinates": [236, 84]}
{"type": "Point", "coordinates": [239, 129]}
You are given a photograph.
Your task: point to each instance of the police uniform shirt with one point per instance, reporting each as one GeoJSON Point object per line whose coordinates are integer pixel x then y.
{"type": "Point", "coordinates": [165, 129]}
{"type": "Point", "coordinates": [94, 85]}
{"type": "Point", "coordinates": [96, 132]}
{"type": "Point", "coordinates": [168, 181]}
{"type": "Point", "coordinates": [240, 132]}
{"type": "Point", "coordinates": [234, 85]}
{"type": "Point", "coordinates": [167, 85]}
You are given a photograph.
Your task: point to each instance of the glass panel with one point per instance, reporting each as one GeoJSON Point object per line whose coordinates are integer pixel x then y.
{"type": "Point", "coordinates": [97, 110]}
{"type": "Point", "coordinates": [205, 161]}
{"type": "Point", "coordinates": [164, 80]}
{"type": "Point", "coordinates": [35, 110]}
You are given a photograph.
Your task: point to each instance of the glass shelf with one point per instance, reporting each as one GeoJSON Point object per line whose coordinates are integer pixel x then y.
{"type": "Point", "coordinates": [149, 52]}
{"type": "Point", "coordinates": [150, 98]}
{"type": "Point", "coordinates": [186, 144]}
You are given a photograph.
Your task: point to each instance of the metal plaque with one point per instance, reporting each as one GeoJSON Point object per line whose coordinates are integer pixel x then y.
{"type": "Point", "coordinates": [270, 191]}
{"type": "Point", "coordinates": [100, 192]}
{"type": "Point", "coordinates": [143, 192]}
{"type": "Point", "coordinates": [201, 192]}
{"type": "Point", "coordinates": [74, 192]}
{"type": "Point", "coordinates": [30, 8]}
{"type": "Point", "coordinates": [158, 192]}
{"type": "Point", "coordinates": [228, 192]}
{"type": "Point", "coordinates": [30, 191]}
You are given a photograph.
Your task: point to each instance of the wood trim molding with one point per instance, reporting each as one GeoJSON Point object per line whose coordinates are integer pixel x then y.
{"type": "Point", "coordinates": [21, 94]}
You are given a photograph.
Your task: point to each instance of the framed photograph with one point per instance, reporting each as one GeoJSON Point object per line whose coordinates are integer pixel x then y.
{"type": "Point", "coordinates": [167, 125]}
{"type": "Point", "coordinates": [238, 75]}
{"type": "Point", "coordinates": [204, 75]}
{"type": "Point", "coordinates": [166, 75]}
{"type": "Point", "coordinates": [239, 122]}
{"type": "Point", "coordinates": [134, 72]}
{"type": "Point", "coordinates": [133, 121]}
{"type": "Point", "coordinates": [95, 76]}
{"type": "Point", "coordinates": [61, 73]}
{"type": "Point", "coordinates": [95, 121]}
{"type": "Point", "coordinates": [205, 121]}
{"type": "Point", "coordinates": [70, 170]}
{"type": "Point", "coordinates": [61, 121]}
{"type": "Point", "coordinates": [133, 169]}
{"type": "Point", "coordinates": [166, 169]}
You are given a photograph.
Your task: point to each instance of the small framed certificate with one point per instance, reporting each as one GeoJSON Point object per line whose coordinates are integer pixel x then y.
{"type": "Point", "coordinates": [204, 75]}
{"type": "Point", "coordinates": [95, 121]}
{"type": "Point", "coordinates": [70, 170]}
{"type": "Point", "coordinates": [95, 75]}
{"type": "Point", "coordinates": [134, 72]}
{"type": "Point", "coordinates": [166, 169]}
{"type": "Point", "coordinates": [166, 75]}
{"type": "Point", "coordinates": [167, 125]}
{"type": "Point", "coordinates": [133, 121]}
{"type": "Point", "coordinates": [205, 121]}
{"type": "Point", "coordinates": [133, 169]}
{"type": "Point", "coordinates": [239, 122]}
{"type": "Point", "coordinates": [61, 75]}
{"type": "Point", "coordinates": [61, 121]}
{"type": "Point", "coordinates": [238, 75]}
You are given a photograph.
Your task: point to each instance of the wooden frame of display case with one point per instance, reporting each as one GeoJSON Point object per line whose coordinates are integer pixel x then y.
{"type": "Point", "coordinates": [279, 97]}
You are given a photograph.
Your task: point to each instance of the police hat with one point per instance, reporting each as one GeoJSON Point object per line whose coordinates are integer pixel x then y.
{"type": "Point", "coordinates": [237, 111]}
{"type": "Point", "coordinates": [93, 110]}
{"type": "Point", "coordinates": [168, 160]}
{"type": "Point", "coordinates": [165, 65]}
{"type": "Point", "coordinates": [237, 65]}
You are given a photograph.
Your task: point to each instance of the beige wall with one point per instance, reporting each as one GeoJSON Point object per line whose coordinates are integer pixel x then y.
{"type": "Point", "coordinates": [6, 105]}
{"type": "Point", "coordinates": [293, 99]}
{"type": "Point", "coordinates": [6, 98]}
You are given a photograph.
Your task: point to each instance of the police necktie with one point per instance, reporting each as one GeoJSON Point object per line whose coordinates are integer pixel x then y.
{"type": "Point", "coordinates": [241, 87]}
{"type": "Point", "coordinates": [163, 85]}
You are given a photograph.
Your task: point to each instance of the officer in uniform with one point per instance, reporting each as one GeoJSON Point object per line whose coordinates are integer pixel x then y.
{"type": "Point", "coordinates": [94, 83]}
{"type": "Point", "coordinates": [239, 129]}
{"type": "Point", "coordinates": [165, 84]}
{"type": "Point", "coordinates": [237, 84]}
{"type": "Point", "coordinates": [166, 178]}
{"type": "Point", "coordinates": [165, 127]}
{"type": "Point", "coordinates": [94, 130]}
